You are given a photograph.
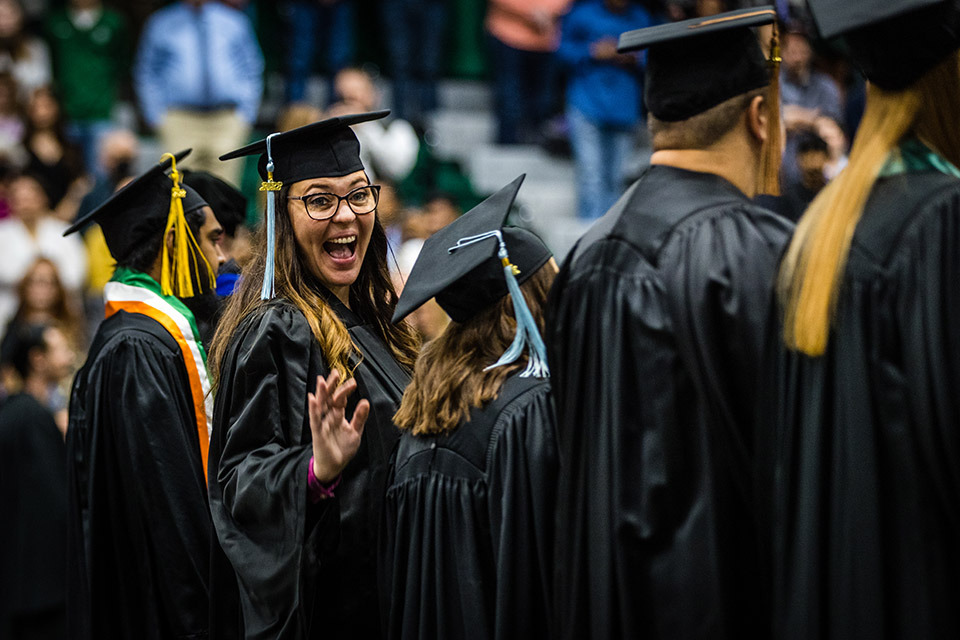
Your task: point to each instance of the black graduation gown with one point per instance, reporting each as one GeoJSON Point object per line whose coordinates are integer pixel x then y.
{"type": "Point", "coordinates": [304, 570]}
{"type": "Point", "coordinates": [138, 521]}
{"type": "Point", "coordinates": [868, 475]}
{"type": "Point", "coordinates": [33, 501]}
{"type": "Point", "coordinates": [467, 537]}
{"type": "Point", "coordinates": [655, 332]}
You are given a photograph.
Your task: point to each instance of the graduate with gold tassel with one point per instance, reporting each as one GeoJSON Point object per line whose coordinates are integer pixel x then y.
{"type": "Point", "coordinates": [655, 336]}
{"type": "Point", "coordinates": [866, 401]}
{"type": "Point", "coordinates": [139, 529]}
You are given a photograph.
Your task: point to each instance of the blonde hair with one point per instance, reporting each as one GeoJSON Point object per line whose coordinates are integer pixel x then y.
{"type": "Point", "coordinates": [812, 271]}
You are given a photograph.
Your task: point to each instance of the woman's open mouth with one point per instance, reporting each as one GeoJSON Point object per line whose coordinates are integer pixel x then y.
{"type": "Point", "coordinates": [341, 249]}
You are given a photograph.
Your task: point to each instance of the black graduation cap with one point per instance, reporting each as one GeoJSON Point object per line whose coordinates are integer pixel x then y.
{"type": "Point", "coordinates": [894, 42]}
{"type": "Point", "coordinates": [327, 148]}
{"type": "Point", "coordinates": [139, 210]}
{"type": "Point", "coordinates": [470, 278]}
{"type": "Point", "coordinates": [694, 65]}
{"type": "Point", "coordinates": [228, 204]}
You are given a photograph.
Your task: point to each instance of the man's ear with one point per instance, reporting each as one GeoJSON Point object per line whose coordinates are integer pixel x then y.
{"type": "Point", "coordinates": [168, 240]}
{"type": "Point", "coordinates": [758, 115]}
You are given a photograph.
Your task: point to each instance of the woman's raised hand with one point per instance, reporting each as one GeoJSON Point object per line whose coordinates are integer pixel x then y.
{"type": "Point", "coordinates": [335, 441]}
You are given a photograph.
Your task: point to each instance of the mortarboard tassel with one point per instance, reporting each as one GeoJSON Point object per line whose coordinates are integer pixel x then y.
{"type": "Point", "coordinates": [178, 271]}
{"type": "Point", "coordinates": [772, 154]}
{"type": "Point", "coordinates": [528, 335]}
{"type": "Point", "coordinates": [271, 187]}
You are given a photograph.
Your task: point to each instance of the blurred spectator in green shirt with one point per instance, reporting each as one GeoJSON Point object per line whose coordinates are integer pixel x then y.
{"type": "Point", "coordinates": [90, 49]}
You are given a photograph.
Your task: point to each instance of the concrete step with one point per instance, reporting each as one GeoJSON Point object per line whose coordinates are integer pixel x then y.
{"type": "Point", "coordinates": [454, 135]}
{"type": "Point", "coordinates": [492, 166]}
{"type": "Point", "coordinates": [464, 95]}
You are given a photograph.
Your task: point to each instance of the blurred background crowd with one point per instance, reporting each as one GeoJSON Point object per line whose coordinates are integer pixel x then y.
{"type": "Point", "coordinates": [92, 92]}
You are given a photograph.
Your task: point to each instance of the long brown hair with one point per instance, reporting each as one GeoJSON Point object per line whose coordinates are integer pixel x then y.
{"type": "Point", "coordinates": [812, 271]}
{"type": "Point", "coordinates": [372, 297]}
{"type": "Point", "coordinates": [62, 310]}
{"type": "Point", "coordinates": [449, 378]}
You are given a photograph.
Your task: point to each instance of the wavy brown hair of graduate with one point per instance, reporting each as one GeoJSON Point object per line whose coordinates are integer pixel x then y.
{"type": "Point", "coordinates": [372, 297]}
{"type": "Point", "coordinates": [812, 271]}
{"type": "Point", "coordinates": [449, 378]}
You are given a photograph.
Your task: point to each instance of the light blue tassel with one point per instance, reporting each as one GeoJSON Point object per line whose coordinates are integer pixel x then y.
{"type": "Point", "coordinates": [271, 187]}
{"type": "Point", "coordinates": [528, 336]}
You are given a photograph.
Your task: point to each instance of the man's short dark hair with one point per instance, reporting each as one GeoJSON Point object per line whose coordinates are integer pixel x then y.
{"type": "Point", "coordinates": [702, 130]}
{"type": "Point", "coordinates": [808, 141]}
{"type": "Point", "coordinates": [141, 256]}
{"type": "Point", "coordinates": [21, 343]}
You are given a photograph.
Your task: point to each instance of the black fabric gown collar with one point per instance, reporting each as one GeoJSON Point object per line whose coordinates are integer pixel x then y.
{"type": "Point", "coordinates": [346, 315]}
{"type": "Point", "coordinates": [663, 197]}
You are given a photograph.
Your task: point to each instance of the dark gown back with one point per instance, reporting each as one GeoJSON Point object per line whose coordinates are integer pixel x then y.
{"type": "Point", "coordinates": [467, 538]}
{"type": "Point", "coordinates": [138, 522]}
{"type": "Point", "coordinates": [868, 435]}
{"type": "Point", "coordinates": [655, 332]}
{"type": "Point", "coordinates": [304, 570]}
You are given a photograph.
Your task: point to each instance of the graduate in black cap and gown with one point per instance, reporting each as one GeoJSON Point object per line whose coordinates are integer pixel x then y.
{"type": "Point", "coordinates": [467, 538]}
{"type": "Point", "coordinates": [296, 484]}
{"type": "Point", "coordinates": [231, 208]}
{"type": "Point", "coordinates": [867, 401]}
{"type": "Point", "coordinates": [138, 521]}
{"type": "Point", "coordinates": [655, 332]}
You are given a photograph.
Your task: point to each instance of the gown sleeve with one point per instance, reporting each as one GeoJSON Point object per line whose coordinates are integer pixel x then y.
{"type": "Point", "coordinates": [522, 498]}
{"type": "Point", "coordinates": [145, 393]}
{"type": "Point", "coordinates": [268, 529]}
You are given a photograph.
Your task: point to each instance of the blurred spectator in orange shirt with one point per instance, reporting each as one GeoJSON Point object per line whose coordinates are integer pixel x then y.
{"type": "Point", "coordinates": [524, 34]}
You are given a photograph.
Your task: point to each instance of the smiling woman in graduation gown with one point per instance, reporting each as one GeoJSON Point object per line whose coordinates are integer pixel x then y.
{"type": "Point", "coordinates": [302, 546]}
{"type": "Point", "coordinates": [867, 399]}
{"type": "Point", "coordinates": [467, 538]}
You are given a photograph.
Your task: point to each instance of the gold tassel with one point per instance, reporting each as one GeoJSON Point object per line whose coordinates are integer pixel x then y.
{"type": "Point", "coordinates": [179, 270]}
{"type": "Point", "coordinates": [772, 153]}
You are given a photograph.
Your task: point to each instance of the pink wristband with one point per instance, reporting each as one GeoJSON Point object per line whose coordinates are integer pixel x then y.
{"type": "Point", "coordinates": [315, 489]}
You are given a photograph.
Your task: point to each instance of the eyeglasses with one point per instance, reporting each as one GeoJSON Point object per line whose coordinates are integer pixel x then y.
{"type": "Point", "coordinates": [323, 206]}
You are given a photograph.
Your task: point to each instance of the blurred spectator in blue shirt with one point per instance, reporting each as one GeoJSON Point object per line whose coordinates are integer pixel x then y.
{"type": "Point", "coordinates": [199, 77]}
{"type": "Point", "coordinates": [806, 94]}
{"type": "Point", "coordinates": [604, 96]}
{"type": "Point", "coordinates": [312, 24]}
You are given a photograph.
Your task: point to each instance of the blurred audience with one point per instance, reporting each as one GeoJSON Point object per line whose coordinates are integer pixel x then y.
{"type": "Point", "coordinates": [414, 31]}
{"type": "Point", "coordinates": [30, 232]}
{"type": "Point", "coordinates": [199, 79]}
{"type": "Point", "coordinates": [12, 125]}
{"type": "Point", "coordinates": [51, 156]}
{"type": "Point", "coordinates": [812, 157]}
{"type": "Point", "coordinates": [806, 93]}
{"type": "Point", "coordinates": [524, 35]}
{"type": "Point", "coordinates": [309, 25]}
{"type": "Point", "coordinates": [837, 146]}
{"type": "Point", "coordinates": [21, 54]}
{"type": "Point", "coordinates": [604, 97]}
{"type": "Point", "coordinates": [388, 147]}
{"type": "Point", "coordinates": [42, 299]}
{"type": "Point", "coordinates": [297, 114]}
{"type": "Point", "coordinates": [90, 48]}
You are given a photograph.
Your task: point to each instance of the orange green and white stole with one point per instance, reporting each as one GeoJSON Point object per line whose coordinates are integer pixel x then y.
{"type": "Point", "coordinates": [136, 292]}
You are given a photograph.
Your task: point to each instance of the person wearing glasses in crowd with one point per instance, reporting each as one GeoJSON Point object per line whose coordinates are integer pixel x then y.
{"type": "Point", "coordinates": [309, 373]}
